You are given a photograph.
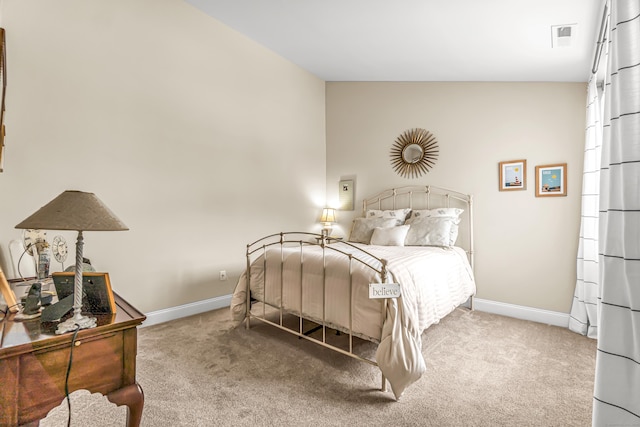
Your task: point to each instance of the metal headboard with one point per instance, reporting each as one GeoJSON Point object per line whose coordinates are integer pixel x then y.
{"type": "Point", "coordinates": [428, 197]}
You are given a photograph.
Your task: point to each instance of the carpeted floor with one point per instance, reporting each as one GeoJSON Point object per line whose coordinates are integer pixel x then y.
{"type": "Point", "coordinates": [482, 370]}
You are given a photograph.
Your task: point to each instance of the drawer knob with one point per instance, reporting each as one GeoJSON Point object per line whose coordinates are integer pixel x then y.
{"type": "Point", "coordinates": [77, 343]}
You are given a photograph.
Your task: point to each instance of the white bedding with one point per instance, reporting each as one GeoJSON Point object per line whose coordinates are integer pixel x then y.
{"type": "Point", "coordinates": [433, 280]}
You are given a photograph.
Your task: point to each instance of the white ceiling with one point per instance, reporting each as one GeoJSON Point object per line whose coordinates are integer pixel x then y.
{"type": "Point", "coordinates": [420, 40]}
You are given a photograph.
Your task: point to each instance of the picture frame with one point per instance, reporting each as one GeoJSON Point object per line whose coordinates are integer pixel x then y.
{"type": "Point", "coordinates": [513, 175]}
{"type": "Point", "coordinates": [3, 89]}
{"type": "Point", "coordinates": [7, 293]}
{"type": "Point", "coordinates": [97, 295]}
{"type": "Point", "coordinates": [346, 194]}
{"type": "Point", "coordinates": [551, 180]}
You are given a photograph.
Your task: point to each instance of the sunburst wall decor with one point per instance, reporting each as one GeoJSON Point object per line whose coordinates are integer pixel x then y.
{"type": "Point", "coordinates": [414, 153]}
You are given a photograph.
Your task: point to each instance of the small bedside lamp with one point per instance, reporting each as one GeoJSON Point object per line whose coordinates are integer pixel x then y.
{"type": "Point", "coordinates": [328, 217]}
{"type": "Point", "coordinates": [78, 211]}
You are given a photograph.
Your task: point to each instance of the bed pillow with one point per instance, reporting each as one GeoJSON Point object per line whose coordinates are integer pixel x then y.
{"type": "Point", "coordinates": [451, 214]}
{"type": "Point", "coordinates": [363, 228]}
{"type": "Point", "coordinates": [436, 213]}
{"type": "Point", "coordinates": [400, 214]}
{"type": "Point", "coordinates": [392, 236]}
{"type": "Point", "coordinates": [429, 232]}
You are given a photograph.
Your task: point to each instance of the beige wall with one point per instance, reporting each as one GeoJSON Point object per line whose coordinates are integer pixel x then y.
{"type": "Point", "coordinates": [199, 139]}
{"type": "Point", "coordinates": [525, 246]}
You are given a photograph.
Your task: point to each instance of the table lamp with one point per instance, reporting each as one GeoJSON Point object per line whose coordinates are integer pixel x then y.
{"type": "Point", "coordinates": [328, 217]}
{"type": "Point", "coordinates": [77, 211]}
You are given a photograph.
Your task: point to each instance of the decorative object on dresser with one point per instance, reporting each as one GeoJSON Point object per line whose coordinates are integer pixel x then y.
{"type": "Point", "coordinates": [513, 175]}
{"type": "Point", "coordinates": [35, 244]}
{"type": "Point", "coordinates": [298, 283]}
{"type": "Point", "coordinates": [33, 240]}
{"type": "Point", "coordinates": [60, 249]}
{"type": "Point", "coordinates": [96, 288]}
{"type": "Point", "coordinates": [414, 153]}
{"type": "Point", "coordinates": [78, 211]}
{"type": "Point", "coordinates": [31, 306]}
{"type": "Point", "coordinates": [551, 180]}
{"type": "Point", "coordinates": [7, 293]}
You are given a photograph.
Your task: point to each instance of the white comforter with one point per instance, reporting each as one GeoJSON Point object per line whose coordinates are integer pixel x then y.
{"type": "Point", "coordinates": [434, 281]}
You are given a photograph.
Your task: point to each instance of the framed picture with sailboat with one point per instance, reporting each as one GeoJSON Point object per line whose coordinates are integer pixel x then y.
{"type": "Point", "coordinates": [551, 180]}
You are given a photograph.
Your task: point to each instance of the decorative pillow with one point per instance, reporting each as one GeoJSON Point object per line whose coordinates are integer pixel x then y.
{"type": "Point", "coordinates": [400, 214]}
{"type": "Point", "coordinates": [392, 236]}
{"type": "Point", "coordinates": [363, 228]}
{"type": "Point", "coordinates": [429, 232]}
{"type": "Point", "coordinates": [436, 213]}
{"type": "Point", "coordinates": [453, 214]}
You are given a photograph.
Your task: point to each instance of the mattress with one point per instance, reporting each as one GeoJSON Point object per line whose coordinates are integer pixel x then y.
{"type": "Point", "coordinates": [433, 280]}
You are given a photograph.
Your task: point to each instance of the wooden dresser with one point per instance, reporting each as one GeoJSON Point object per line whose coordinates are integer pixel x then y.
{"type": "Point", "coordinates": [33, 365]}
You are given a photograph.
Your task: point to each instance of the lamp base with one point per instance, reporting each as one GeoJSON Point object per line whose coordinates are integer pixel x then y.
{"type": "Point", "coordinates": [22, 316]}
{"type": "Point", "coordinates": [70, 325]}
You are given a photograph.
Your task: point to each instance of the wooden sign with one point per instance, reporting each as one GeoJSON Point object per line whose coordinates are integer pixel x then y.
{"type": "Point", "coordinates": [7, 293]}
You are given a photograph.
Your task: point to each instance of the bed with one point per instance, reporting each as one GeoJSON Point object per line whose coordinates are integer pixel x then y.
{"type": "Point", "coordinates": [420, 237]}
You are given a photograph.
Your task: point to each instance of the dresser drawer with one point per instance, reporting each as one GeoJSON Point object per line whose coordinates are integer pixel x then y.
{"type": "Point", "coordinates": [97, 366]}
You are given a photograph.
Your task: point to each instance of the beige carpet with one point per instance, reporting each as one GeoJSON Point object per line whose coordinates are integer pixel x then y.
{"type": "Point", "coordinates": [482, 370]}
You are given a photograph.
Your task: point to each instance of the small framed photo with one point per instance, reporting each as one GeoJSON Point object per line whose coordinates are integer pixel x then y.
{"type": "Point", "coordinates": [97, 296]}
{"type": "Point", "coordinates": [513, 175]}
{"type": "Point", "coordinates": [346, 195]}
{"type": "Point", "coordinates": [551, 180]}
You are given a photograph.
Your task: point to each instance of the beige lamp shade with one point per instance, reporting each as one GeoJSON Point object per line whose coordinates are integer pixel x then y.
{"type": "Point", "coordinates": [74, 210]}
{"type": "Point", "coordinates": [328, 215]}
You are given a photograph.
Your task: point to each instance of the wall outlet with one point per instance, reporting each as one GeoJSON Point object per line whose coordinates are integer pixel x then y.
{"type": "Point", "coordinates": [223, 275]}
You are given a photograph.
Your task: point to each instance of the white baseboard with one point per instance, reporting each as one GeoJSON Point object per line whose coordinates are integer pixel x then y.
{"type": "Point", "coordinates": [501, 308]}
{"type": "Point", "coordinates": [172, 313]}
{"type": "Point", "coordinates": [521, 312]}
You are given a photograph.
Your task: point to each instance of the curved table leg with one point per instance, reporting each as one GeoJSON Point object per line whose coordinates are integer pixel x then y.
{"type": "Point", "coordinates": [133, 397]}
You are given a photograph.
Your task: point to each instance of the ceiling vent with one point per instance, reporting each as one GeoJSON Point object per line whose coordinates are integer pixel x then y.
{"type": "Point", "coordinates": [563, 35]}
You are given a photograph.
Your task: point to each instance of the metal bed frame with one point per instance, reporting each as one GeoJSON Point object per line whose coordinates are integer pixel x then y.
{"type": "Point", "coordinates": [427, 197]}
{"type": "Point", "coordinates": [415, 197]}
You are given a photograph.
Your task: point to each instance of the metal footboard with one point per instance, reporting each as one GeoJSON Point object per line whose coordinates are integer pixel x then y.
{"type": "Point", "coordinates": [302, 240]}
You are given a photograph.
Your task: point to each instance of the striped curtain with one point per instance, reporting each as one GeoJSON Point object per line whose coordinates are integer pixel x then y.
{"type": "Point", "coordinates": [584, 311]}
{"type": "Point", "coordinates": [617, 383]}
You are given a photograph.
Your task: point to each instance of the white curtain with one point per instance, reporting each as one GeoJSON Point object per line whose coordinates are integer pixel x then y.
{"type": "Point", "coordinates": [584, 311]}
{"type": "Point", "coordinates": [617, 384]}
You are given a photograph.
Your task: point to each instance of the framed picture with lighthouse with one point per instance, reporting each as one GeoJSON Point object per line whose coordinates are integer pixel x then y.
{"type": "Point", "coordinates": [513, 175]}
